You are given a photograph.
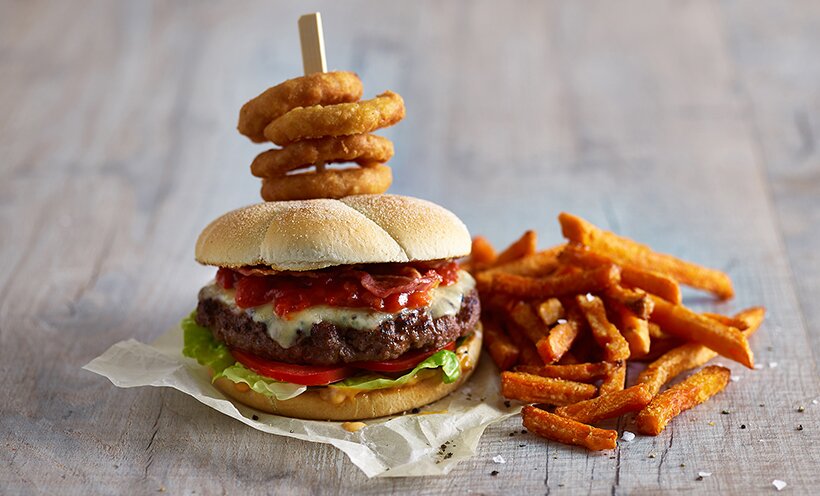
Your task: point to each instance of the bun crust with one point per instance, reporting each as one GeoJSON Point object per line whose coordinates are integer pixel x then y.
{"type": "Point", "coordinates": [370, 404]}
{"type": "Point", "coordinates": [313, 234]}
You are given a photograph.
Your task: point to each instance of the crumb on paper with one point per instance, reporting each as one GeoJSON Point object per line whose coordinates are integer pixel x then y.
{"type": "Point", "coordinates": [627, 436]}
{"type": "Point", "coordinates": [499, 459]}
{"type": "Point", "coordinates": [779, 484]}
{"type": "Point", "coordinates": [353, 426]}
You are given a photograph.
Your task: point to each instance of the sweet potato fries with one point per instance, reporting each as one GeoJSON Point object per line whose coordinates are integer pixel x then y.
{"type": "Point", "coordinates": [562, 323]}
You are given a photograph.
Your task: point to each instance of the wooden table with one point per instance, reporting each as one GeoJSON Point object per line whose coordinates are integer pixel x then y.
{"type": "Point", "coordinates": [692, 126]}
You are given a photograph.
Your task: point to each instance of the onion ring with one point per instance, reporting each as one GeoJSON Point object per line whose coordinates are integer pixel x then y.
{"type": "Point", "coordinates": [336, 120]}
{"type": "Point", "coordinates": [359, 148]}
{"type": "Point", "coordinates": [321, 88]}
{"type": "Point", "coordinates": [372, 179]}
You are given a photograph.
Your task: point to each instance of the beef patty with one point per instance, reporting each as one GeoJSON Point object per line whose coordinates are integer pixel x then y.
{"type": "Point", "coordinates": [328, 344]}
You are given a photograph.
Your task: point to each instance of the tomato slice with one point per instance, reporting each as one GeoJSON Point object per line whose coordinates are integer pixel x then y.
{"type": "Point", "coordinates": [404, 362]}
{"type": "Point", "coordinates": [307, 375]}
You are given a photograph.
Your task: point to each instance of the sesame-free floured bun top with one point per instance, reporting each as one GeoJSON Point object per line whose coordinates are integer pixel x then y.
{"type": "Point", "coordinates": [313, 234]}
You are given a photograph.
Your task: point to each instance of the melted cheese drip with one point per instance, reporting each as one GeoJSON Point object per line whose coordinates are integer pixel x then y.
{"type": "Point", "coordinates": [446, 301]}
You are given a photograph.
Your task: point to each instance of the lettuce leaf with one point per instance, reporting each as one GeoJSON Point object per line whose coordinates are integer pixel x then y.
{"type": "Point", "coordinates": [446, 359]}
{"type": "Point", "coordinates": [201, 346]}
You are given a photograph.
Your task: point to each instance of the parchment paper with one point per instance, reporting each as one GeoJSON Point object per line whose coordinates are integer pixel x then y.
{"type": "Point", "coordinates": [399, 446]}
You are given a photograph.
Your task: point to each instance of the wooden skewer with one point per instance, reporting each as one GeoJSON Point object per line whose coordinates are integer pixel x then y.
{"type": "Point", "coordinates": [313, 43]}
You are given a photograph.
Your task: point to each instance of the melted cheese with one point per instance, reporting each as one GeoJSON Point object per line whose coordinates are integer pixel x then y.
{"type": "Point", "coordinates": [446, 301]}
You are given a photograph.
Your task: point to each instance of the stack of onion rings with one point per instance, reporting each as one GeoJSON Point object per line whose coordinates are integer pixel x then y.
{"type": "Point", "coordinates": [317, 120]}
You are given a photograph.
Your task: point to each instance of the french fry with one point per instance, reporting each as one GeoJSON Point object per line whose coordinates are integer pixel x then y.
{"type": "Point", "coordinates": [606, 335]}
{"type": "Point", "coordinates": [635, 300]}
{"type": "Point", "coordinates": [752, 317]}
{"type": "Point", "coordinates": [560, 338]}
{"type": "Point", "coordinates": [531, 388]}
{"type": "Point", "coordinates": [727, 320]}
{"type": "Point", "coordinates": [634, 329]}
{"type": "Point", "coordinates": [502, 350]}
{"type": "Point", "coordinates": [527, 354]}
{"type": "Point", "coordinates": [672, 363]}
{"type": "Point", "coordinates": [580, 372]}
{"type": "Point", "coordinates": [567, 431]}
{"type": "Point", "coordinates": [483, 254]}
{"type": "Point", "coordinates": [538, 264]}
{"type": "Point", "coordinates": [523, 246]}
{"type": "Point", "coordinates": [684, 323]}
{"type": "Point", "coordinates": [696, 389]}
{"type": "Point", "coordinates": [692, 355]}
{"type": "Point", "coordinates": [587, 281]}
{"type": "Point", "coordinates": [550, 311]}
{"type": "Point", "coordinates": [614, 381]}
{"type": "Point", "coordinates": [651, 282]}
{"type": "Point", "coordinates": [630, 253]}
{"type": "Point", "coordinates": [607, 406]}
{"type": "Point", "coordinates": [529, 322]}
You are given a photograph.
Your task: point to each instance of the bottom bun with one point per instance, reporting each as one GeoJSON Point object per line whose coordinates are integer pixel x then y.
{"type": "Point", "coordinates": [326, 404]}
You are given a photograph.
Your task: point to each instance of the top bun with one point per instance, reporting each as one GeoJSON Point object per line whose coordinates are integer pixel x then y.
{"type": "Point", "coordinates": [313, 234]}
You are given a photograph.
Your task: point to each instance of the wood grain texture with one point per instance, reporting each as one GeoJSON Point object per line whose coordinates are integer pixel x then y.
{"type": "Point", "coordinates": [691, 126]}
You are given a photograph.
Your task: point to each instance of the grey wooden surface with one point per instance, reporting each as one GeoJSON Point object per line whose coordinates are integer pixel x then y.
{"type": "Point", "coordinates": [689, 125]}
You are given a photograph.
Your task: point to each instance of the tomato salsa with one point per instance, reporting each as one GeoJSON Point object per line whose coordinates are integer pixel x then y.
{"type": "Point", "coordinates": [383, 287]}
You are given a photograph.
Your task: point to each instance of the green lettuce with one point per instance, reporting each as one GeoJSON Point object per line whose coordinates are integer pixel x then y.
{"type": "Point", "coordinates": [199, 344]}
{"type": "Point", "coordinates": [446, 359]}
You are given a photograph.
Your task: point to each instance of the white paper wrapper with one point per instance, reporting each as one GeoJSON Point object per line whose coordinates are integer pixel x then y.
{"type": "Point", "coordinates": [400, 446]}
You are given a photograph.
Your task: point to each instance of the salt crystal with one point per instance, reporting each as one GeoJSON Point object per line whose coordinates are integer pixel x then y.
{"type": "Point", "coordinates": [758, 366]}
{"type": "Point", "coordinates": [772, 365]}
{"type": "Point", "coordinates": [590, 297]}
{"type": "Point", "coordinates": [814, 402]}
{"type": "Point", "coordinates": [562, 321]}
{"type": "Point", "coordinates": [735, 378]}
{"type": "Point", "coordinates": [779, 484]}
{"type": "Point", "coordinates": [627, 436]}
{"type": "Point", "coordinates": [704, 474]}
{"type": "Point", "coordinates": [499, 459]}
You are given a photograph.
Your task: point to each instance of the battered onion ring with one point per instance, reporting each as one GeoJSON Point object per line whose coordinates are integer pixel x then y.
{"type": "Point", "coordinates": [371, 179]}
{"type": "Point", "coordinates": [321, 88]}
{"type": "Point", "coordinates": [359, 148]}
{"type": "Point", "coordinates": [336, 120]}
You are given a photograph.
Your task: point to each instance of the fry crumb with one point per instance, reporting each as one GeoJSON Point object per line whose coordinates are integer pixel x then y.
{"type": "Point", "coordinates": [353, 426]}
{"type": "Point", "coordinates": [711, 423]}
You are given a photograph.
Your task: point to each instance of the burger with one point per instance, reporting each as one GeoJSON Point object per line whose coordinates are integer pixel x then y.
{"type": "Point", "coordinates": [336, 309]}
